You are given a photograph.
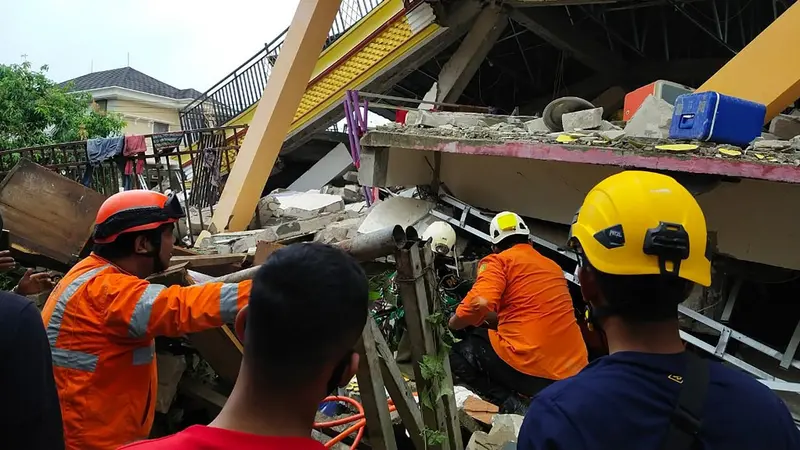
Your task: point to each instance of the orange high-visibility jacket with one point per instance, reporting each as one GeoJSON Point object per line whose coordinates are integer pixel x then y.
{"type": "Point", "coordinates": [537, 333]}
{"type": "Point", "coordinates": [101, 323]}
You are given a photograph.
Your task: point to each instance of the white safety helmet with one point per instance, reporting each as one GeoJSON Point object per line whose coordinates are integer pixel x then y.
{"type": "Point", "coordinates": [507, 224]}
{"type": "Point", "coordinates": [442, 237]}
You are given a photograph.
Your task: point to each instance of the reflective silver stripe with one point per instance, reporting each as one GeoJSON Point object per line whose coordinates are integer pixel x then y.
{"type": "Point", "coordinates": [54, 325]}
{"type": "Point", "coordinates": [137, 328]}
{"type": "Point", "coordinates": [144, 355]}
{"type": "Point", "coordinates": [71, 359]}
{"type": "Point", "coordinates": [229, 302]}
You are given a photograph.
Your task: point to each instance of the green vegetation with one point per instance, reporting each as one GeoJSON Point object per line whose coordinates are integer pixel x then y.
{"type": "Point", "coordinates": [34, 111]}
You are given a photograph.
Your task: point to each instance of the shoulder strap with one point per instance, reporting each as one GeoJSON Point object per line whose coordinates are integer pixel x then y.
{"type": "Point", "coordinates": [686, 420]}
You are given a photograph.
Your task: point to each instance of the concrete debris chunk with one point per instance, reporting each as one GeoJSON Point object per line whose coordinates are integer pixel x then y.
{"type": "Point", "coordinates": [350, 193]}
{"type": "Point", "coordinates": [773, 145]}
{"type": "Point", "coordinates": [426, 119]}
{"type": "Point", "coordinates": [795, 141]}
{"type": "Point", "coordinates": [351, 176]}
{"type": "Point", "coordinates": [297, 205]}
{"type": "Point", "coordinates": [785, 126]}
{"type": "Point", "coordinates": [503, 436]}
{"type": "Point", "coordinates": [583, 120]}
{"type": "Point", "coordinates": [608, 126]}
{"type": "Point", "coordinates": [459, 120]}
{"type": "Point", "coordinates": [510, 421]}
{"type": "Point", "coordinates": [339, 231]}
{"type": "Point", "coordinates": [505, 128]}
{"type": "Point", "coordinates": [536, 126]}
{"type": "Point", "coordinates": [354, 210]}
{"type": "Point", "coordinates": [612, 135]}
{"type": "Point", "coordinates": [652, 120]}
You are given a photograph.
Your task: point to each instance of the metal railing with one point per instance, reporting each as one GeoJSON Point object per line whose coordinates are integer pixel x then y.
{"type": "Point", "coordinates": [196, 174]}
{"type": "Point", "coordinates": [242, 88]}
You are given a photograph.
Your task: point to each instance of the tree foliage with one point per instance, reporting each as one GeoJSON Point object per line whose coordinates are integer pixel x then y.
{"type": "Point", "coordinates": [36, 111]}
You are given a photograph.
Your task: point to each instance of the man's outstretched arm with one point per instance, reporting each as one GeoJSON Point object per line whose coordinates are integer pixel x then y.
{"type": "Point", "coordinates": [141, 310]}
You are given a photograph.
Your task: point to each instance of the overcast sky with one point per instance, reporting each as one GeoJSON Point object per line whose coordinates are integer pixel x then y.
{"type": "Point", "coordinates": [185, 43]}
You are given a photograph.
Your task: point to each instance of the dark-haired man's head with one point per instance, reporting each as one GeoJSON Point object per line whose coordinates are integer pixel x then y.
{"type": "Point", "coordinates": [308, 307]}
{"type": "Point", "coordinates": [510, 241]}
{"type": "Point", "coordinates": [633, 298]}
{"type": "Point", "coordinates": [634, 312]}
{"type": "Point", "coordinates": [141, 253]}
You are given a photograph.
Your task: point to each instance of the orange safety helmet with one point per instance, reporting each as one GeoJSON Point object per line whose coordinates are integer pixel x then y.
{"type": "Point", "coordinates": [136, 210]}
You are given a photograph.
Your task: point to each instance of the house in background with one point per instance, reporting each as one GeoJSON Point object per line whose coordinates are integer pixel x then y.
{"type": "Point", "coordinates": [148, 105]}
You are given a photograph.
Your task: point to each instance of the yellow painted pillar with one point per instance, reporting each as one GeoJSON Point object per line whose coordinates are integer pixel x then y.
{"type": "Point", "coordinates": [274, 114]}
{"type": "Point", "coordinates": [767, 71]}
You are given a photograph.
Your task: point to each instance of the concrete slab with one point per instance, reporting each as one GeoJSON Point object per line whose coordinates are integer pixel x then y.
{"type": "Point", "coordinates": [548, 181]}
{"type": "Point", "coordinates": [395, 211]}
{"type": "Point", "coordinates": [331, 166]}
{"type": "Point", "coordinates": [297, 205]}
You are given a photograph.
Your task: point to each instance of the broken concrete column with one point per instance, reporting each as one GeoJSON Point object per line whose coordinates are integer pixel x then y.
{"type": "Point", "coordinates": [652, 120]}
{"type": "Point", "coordinates": [583, 120]}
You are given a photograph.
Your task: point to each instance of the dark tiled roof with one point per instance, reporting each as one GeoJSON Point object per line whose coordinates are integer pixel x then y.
{"type": "Point", "coordinates": [129, 78]}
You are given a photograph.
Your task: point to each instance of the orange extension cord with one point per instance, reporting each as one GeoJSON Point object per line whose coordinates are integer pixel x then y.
{"type": "Point", "coordinates": [358, 426]}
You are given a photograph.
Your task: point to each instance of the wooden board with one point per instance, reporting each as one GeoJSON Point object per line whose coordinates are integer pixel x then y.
{"type": "Point", "coordinates": [197, 261]}
{"type": "Point", "coordinates": [46, 213]}
{"type": "Point", "coordinates": [221, 349]}
{"type": "Point", "coordinates": [263, 250]}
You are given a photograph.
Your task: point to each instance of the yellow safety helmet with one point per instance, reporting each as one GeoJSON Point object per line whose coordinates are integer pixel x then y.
{"type": "Point", "coordinates": [506, 224]}
{"type": "Point", "coordinates": [643, 223]}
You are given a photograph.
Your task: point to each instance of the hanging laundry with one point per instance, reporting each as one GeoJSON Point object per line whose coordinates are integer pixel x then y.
{"type": "Point", "coordinates": [134, 146]}
{"type": "Point", "coordinates": [211, 162]}
{"type": "Point", "coordinates": [99, 151]}
{"type": "Point", "coordinates": [163, 143]}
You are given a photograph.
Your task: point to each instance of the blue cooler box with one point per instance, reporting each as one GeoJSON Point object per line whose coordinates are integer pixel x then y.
{"type": "Point", "coordinates": [710, 116]}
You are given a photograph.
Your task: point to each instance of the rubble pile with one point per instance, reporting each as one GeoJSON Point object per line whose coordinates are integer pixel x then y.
{"type": "Point", "coordinates": [285, 215]}
{"type": "Point", "coordinates": [503, 435]}
{"type": "Point", "coordinates": [647, 132]}
{"type": "Point", "coordinates": [328, 215]}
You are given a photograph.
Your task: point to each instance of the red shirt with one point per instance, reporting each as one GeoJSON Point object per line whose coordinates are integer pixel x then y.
{"type": "Point", "coordinates": [200, 437]}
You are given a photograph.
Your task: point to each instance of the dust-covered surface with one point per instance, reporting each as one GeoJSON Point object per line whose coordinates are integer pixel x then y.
{"type": "Point", "coordinates": [761, 151]}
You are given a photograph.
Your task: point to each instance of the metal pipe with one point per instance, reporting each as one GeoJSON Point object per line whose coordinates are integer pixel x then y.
{"type": "Point", "coordinates": [363, 248]}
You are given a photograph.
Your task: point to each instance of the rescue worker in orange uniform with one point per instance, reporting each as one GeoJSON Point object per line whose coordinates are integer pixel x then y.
{"type": "Point", "coordinates": [103, 316]}
{"type": "Point", "coordinates": [534, 338]}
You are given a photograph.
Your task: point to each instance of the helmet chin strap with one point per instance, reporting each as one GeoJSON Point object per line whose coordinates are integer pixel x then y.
{"type": "Point", "coordinates": [155, 239]}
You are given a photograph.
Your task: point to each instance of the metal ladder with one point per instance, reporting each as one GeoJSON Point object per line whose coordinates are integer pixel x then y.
{"type": "Point", "coordinates": [726, 333]}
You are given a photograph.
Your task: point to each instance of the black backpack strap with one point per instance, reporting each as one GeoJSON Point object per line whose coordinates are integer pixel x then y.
{"type": "Point", "coordinates": [687, 417]}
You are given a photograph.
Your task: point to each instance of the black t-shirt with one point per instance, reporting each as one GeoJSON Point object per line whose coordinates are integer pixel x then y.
{"type": "Point", "coordinates": [30, 415]}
